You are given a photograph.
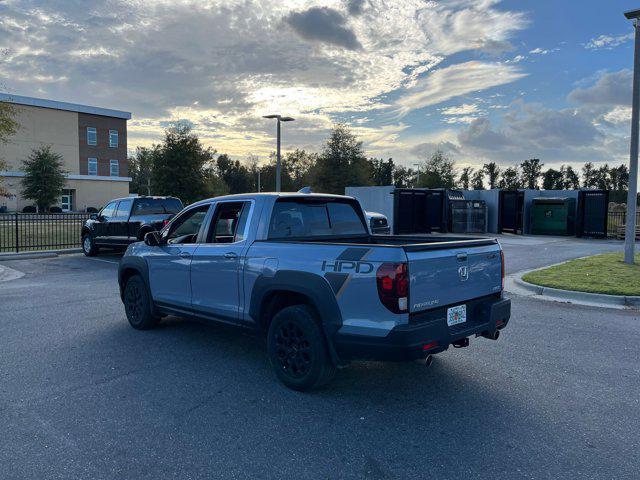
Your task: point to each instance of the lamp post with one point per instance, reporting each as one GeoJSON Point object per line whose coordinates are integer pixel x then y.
{"type": "Point", "coordinates": [280, 119]}
{"type": "Point", "coordinates": [417, 173]}
{"type": "Point", "coordinates": [632, 195]}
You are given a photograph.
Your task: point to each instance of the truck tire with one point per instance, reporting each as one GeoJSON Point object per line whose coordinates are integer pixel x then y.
{"type": "Point", "coordinates": [137, 304]}
{"type": "Point", "coordinates": [89, 247]}
{"type": "Point", "coordinates": [297, 349]}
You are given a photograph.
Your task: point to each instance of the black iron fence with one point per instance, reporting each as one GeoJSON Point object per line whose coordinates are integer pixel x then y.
{"type": "Point", "coordinates": [616, 221]}
{"type": "Point", "coordinates": [23, 232]}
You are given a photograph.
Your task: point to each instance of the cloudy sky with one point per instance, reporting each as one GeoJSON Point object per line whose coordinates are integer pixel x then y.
{"type": "Point", "coordinates": [481, 79]}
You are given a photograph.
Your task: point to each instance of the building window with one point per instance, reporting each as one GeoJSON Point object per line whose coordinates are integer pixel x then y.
{"type": "Point", "coordinates": [114, 168]}
{"type": "Point", "coordinates": [92, 168]}
{"type": "Point", "coordinates": [92, 136]}
{"type": "Point", "coordinates": [113, 138]}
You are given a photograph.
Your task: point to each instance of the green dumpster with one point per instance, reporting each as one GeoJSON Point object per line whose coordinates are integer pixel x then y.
{"type": "Point", "coordinates": [553, 216]}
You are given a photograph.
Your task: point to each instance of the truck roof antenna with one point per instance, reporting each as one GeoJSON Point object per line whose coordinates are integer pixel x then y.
{"type": "Point", "coordinates": [305, 190]}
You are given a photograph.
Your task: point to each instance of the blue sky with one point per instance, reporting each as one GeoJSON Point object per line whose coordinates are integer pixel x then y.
{"type": "Point", "coordinates": [484, 80]}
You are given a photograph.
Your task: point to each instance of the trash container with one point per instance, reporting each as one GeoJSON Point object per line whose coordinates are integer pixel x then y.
{"type": "Point", "coordinates": [468, 216]}
{"type": "Point", "coordinates": [553, 216]}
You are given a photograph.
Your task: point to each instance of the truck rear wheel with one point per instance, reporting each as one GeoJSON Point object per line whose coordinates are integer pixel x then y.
{"type": "Point", "coordinates": [297, 349]}
{"type": "Point", "coordinates": [137, 304]}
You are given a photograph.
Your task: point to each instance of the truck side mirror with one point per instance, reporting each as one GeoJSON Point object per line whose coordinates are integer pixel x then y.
{"type": "Point", "coordinates": [93, 216]}
{"type": "Point", "coordinates": [152, 239]}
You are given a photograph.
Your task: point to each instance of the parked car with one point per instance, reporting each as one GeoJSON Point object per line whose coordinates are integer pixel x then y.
{"type": "Point", "coordinates": [378, 223]}
{"type": "Point", "coordinates": [305, 270]}
{"type": "Point", "coordinates": [126, 220]}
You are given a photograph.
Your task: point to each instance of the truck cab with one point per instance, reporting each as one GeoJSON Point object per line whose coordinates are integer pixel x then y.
{"type": "Point", "coordinates": [123, 221]}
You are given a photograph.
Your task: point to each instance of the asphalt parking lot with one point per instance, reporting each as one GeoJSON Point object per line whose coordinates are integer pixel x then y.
{"type": "Point", "coordinates": [83, 395]}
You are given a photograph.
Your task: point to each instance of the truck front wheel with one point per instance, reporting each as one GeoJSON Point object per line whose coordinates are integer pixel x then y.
{"type": "Point", "coordinates": [137, 304]}
{"type": "Point", "coordinates": [297, 349]}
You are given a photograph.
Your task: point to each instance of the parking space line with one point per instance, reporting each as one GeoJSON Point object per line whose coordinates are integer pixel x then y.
{"type": "Point", "coordinates": [113, 262]}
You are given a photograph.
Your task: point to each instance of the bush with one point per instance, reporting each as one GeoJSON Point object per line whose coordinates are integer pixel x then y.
{"type": "Point", "coordinates": [55, 210]}
{"type": "Point", "coordinates": [29, 209]}
{"type": "Point", "coordinates": [91, 210]}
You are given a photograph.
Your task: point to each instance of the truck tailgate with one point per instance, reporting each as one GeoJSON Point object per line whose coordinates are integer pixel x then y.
{"type": "Point", "coordinates": [450, 276]}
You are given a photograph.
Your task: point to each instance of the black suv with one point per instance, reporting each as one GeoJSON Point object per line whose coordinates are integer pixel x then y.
{"type": "Point", "coordinates": [126, 220]}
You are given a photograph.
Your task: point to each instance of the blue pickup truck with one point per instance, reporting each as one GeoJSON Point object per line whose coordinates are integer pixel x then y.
{"type": "Point", "coordinates": [305, 270]}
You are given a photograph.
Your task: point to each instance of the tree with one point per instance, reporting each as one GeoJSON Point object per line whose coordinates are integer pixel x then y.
{"type": "Point", "coordinates": [571, 179]}
{"type": "Point", "coordinates": [181, 167]}
{"type": "Point", "coordinates": [510, 179]}
{"type": "Point", "coordinates": [403, 177]}
{"type": "Point", "coordinates": [8, 127]}
{"type": "Point", "coordinates": [438, 172]}
{"type": "Point", "coordinates": [619, 178]}
{"type": "Point", "coordinates": [381, 171]}
{"type": "Point", "coordinates": [8, 124]}
{"type": "Point", "coordinates": [531, 172]}
{"type": "Point", "coordinates": [477, 181]}
{"type": "Point", "coordinates": [44, 177]}
{"type": "Point", "coordinates": [588, 175]}
{"type": "Point", "coordinates": [140, 167]}
{"type": "Point", "coordinates": [602, 178]}
{"type": "Point", "coordinates": [465, 178]}
{"type": "Point", "coordinates": [235, 175]}
{"type": "Point", "coordinates": [552, 180]}
{"type": "Point", "coordinates": [493, 172]}
{"type": "Point", "coordinates": [342, 163]}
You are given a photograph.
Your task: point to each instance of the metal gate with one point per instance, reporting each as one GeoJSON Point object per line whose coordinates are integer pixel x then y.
{"type": "Point", "coordinates": [410, 211]}
{"type": "Point", "coordinates": [511, 211]}
{"type": "Point", "coordinates": [435, 210]}
{"type": "Point", "coordinates": [593, 208]}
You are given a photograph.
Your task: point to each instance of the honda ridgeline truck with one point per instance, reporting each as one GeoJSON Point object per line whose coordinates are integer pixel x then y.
{"type": "Point", "coordinates": [304, 269]}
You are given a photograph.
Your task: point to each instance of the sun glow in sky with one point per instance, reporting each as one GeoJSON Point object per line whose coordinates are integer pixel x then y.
{"type": "Point", "coordinates": [484, 80]}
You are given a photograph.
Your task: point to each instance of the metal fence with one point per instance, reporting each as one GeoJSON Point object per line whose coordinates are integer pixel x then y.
{"type": "Point", "coordinates": [617, 220]}
{"type": "Point", "coordinates": [23, 232]}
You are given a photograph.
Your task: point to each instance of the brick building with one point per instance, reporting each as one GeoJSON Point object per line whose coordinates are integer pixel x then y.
{"type": "Point", "coordinates": [92, 142]}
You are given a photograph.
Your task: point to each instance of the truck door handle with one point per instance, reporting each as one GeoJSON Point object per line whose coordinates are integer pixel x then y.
{"type": "Point", "coordinates": [185, 254]}
{"type": "Point", "coordinates": [230, 255]}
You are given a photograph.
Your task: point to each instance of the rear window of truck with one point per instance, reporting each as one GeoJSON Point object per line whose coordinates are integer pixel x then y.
{"type": "Point", "coordinates": [157, 206]}
{"type": "Point", "coordinates": [315, 218]}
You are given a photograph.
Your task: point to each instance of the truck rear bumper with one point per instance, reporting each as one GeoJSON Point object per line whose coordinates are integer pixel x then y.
{"type": "Point", "coordinates": [427, 335]}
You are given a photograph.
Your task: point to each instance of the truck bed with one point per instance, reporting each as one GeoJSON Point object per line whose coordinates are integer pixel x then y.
{"type": "Point", "coordinates": [410, 243]}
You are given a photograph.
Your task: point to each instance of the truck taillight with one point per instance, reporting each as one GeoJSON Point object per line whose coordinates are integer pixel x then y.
{"type": "Point", "coordinates": [502, 267]}
{"type": "Point", "coordinates": [393, 286]}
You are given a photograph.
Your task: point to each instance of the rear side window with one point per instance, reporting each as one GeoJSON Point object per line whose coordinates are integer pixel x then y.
{"type": "Point", "coordinates": [229, 222]}
{"type": "Point", "coordinates": [157, 206]}
{"type": "Point", "coordinates": [315, 219]}
{"type": "Point", "coordinates": [124, 207]}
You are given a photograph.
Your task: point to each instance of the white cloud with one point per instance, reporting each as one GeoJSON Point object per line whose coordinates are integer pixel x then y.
{"type": "Point", "coordinates": [460, 79]}
{"type": "Point", "coordinates": [464, 109]}
{"type": "Point", "coordinates": [608, 41]}
{"type": "Point", "coordinates": [222, 64]}
{"type": "Point", "coordinates": [538, 51]}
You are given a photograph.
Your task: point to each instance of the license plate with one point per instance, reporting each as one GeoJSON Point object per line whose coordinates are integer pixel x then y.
{"type": "Point", "coordinates": [456, 315]}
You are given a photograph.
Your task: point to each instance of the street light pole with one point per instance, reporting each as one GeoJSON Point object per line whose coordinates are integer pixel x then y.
{"type": "Point", "coordinates": [632, 195]}
{"type": "Point", "coordinates": [417, 173]}
{"type": "Point", "coordinates": [279, 119]}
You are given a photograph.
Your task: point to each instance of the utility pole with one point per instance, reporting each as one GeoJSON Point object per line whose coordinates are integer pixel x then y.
{"type": "Point", "coordinates": [632, 196]}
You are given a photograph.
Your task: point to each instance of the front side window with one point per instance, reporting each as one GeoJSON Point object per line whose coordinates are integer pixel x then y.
{"type": "Point", "coordinates": [114, 168]}
{"type": "Point", "coordinates": [113, 138]}
{"type": "Point", "coordinates": [92, 167]}
{"type": "Point", "coordinates": [185, 228]}
{"type": "Point", "coordinates": [92, 136]}
{"type": "Point", "coordinates": [315, 218]}
{"type": "Point", "coordinates": [109, 210]}
{"type": "Point", "coordinates": [229, 222]}
{"type": "Point", "coordinates": [124, 207]}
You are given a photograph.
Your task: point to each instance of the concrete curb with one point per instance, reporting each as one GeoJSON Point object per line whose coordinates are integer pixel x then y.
{"type": "Point", "coordinates": [34, 255]}
{"type": "Point", "coordinates": [515, 284]}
